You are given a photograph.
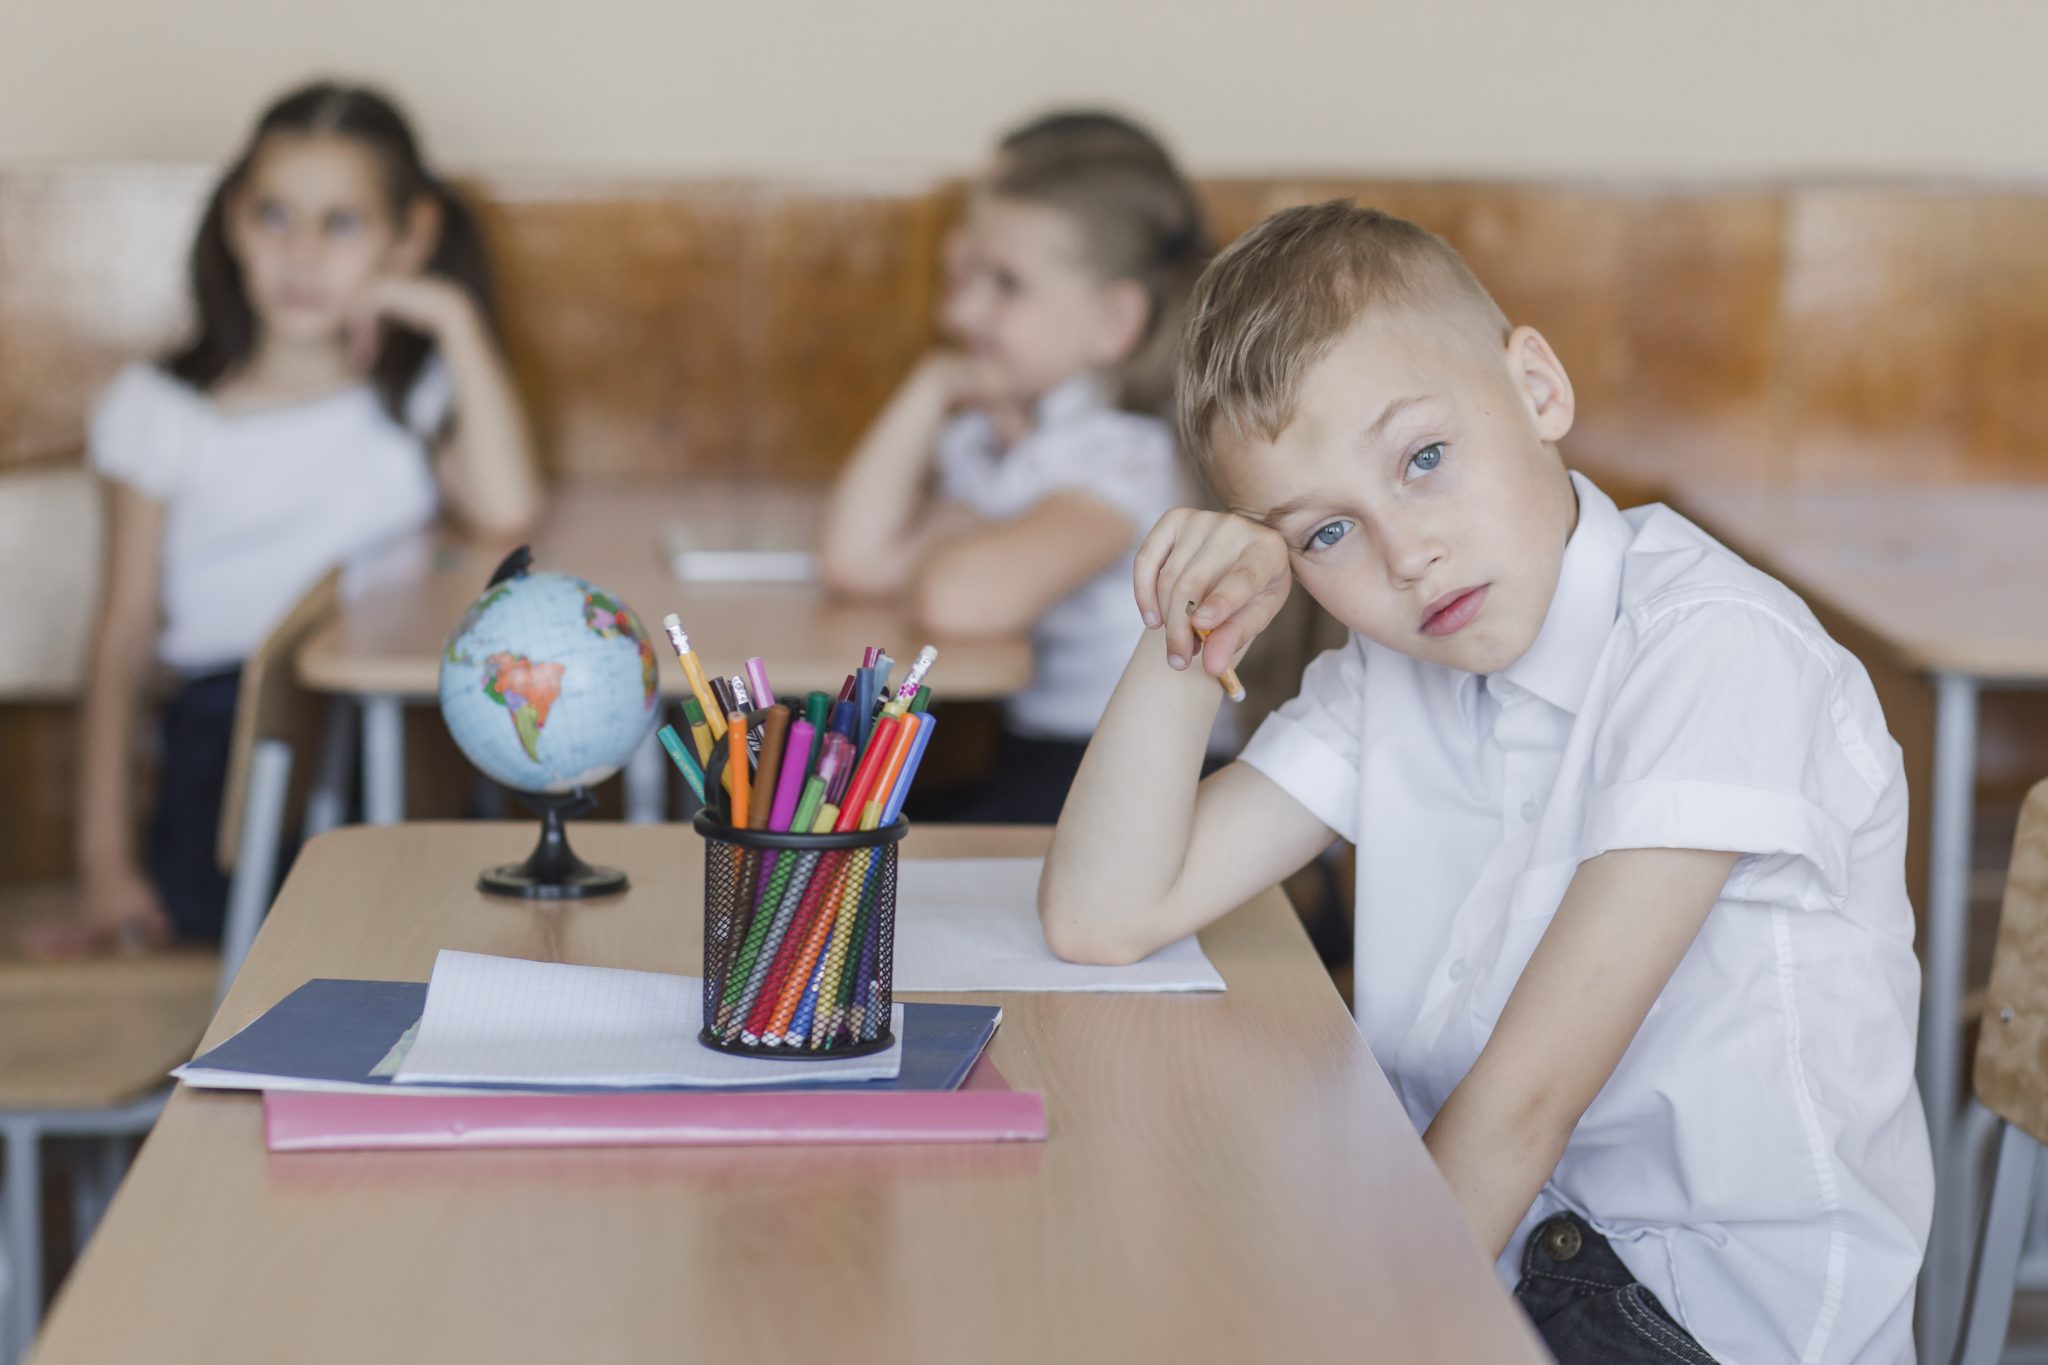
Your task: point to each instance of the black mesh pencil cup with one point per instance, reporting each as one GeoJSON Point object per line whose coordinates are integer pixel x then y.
{"type": "Point", "coordinates": [799, 940]}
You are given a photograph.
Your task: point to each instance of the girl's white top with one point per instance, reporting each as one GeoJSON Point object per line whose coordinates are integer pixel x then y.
{"type": "Point", "coordinates": [1759, 1158]}
{"type": "Point", "coordinates": [259, 505]}
{"type": "Point", "coordinates": [1080, 443]}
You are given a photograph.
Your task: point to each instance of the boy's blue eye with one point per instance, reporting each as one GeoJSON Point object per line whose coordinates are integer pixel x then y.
{"type": "Point", "coordinates": [273, 217]}
{"type": "Point", "coordinates": [1328, 535]}
{"type": "Point", "coordinates": [1426, 459]}
{"type": "Point", "coordinates": [343, 224]}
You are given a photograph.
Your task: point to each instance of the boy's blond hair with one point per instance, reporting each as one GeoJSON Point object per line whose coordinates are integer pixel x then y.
{"type": "Point", "coordinates": [1276, 300]}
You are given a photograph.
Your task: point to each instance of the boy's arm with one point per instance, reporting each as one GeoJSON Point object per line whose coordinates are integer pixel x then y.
{"type": "Point", "coordinates": [1146, 852]}
{"type": "Point", "coordinates": [1624, 924]}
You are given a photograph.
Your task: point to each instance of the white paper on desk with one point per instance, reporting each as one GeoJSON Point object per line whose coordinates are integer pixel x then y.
{"type": "Point", "coordinates": [508, 1021]}
{"type": "Point", "coordinates": [971, 924]}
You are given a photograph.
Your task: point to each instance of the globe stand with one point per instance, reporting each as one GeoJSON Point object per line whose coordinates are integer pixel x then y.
{"type": "Point", "coordinates": [553, 871]}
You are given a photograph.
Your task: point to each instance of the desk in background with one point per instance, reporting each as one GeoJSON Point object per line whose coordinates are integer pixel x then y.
{"type": "Point", "coordinates": [1228, 1178]}
{"type": "Point", "coordinates": [384, 648]}
{"type": "Point", "coordinates": [1952, 580]}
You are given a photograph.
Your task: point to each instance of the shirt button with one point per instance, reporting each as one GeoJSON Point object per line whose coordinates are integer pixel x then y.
{"type": "Point", "coordinates": [1530, 810]}
{"type": "Point", "coordinates": [1458, 971]}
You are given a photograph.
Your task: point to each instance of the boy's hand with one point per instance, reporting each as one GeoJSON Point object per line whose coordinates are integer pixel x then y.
{"type": "Point", "coordinates": [1233, 570]}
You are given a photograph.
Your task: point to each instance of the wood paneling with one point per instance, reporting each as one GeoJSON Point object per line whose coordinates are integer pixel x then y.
{"type": "Point", "coordinates": [663, 328]}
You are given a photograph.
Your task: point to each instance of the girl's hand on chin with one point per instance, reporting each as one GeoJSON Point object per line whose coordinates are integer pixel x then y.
{"type": "Point", "coordinates": [424, 303]}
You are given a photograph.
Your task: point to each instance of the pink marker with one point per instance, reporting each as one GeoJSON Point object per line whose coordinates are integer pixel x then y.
{"type": "Point", "coordinates": [757, 676]}
{"type": "Point", "coordinates": [789, 786]}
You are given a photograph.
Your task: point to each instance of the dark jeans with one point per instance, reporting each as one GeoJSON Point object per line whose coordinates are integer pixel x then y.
{"type": "Point", "coordinates": [1587, 1307]}
{"type": "Point", "coordinates": [191, 780]}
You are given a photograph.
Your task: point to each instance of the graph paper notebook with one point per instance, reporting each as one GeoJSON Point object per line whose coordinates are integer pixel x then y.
{"type": "Point", "coordinates": [971, 924]}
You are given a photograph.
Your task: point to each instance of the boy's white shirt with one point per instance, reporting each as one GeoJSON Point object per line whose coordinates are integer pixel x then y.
{"type": "Point", "coordinates": [1079, 442]}
{"type": "Point", "coordinates": [1759, 1157]}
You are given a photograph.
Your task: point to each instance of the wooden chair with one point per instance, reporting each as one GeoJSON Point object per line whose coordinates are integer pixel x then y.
{"type": "Point", "coordinates": [2012, 1085]}
{"type": "Point", "coordinates": [85, 1046]}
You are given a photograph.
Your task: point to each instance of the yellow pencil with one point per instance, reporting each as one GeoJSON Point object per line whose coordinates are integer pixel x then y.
{"type": "Point", "coordinates": [1232, 688]}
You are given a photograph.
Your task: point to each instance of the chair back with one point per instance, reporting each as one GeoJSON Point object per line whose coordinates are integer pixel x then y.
{"type": "Point", "coordinates": [2012, 1050]}
{"type": "Point", "coordinates": [273, 706]}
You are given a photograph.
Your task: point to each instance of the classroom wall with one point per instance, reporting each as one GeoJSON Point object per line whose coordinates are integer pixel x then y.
{"type": "Point", "coordinates": [916, 88]}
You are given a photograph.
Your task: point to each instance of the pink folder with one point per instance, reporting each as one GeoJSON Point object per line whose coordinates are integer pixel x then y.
{"type": "Point", "coordinates": [984, 1109]}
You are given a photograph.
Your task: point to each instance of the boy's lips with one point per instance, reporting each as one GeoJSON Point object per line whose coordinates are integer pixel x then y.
{"type": "Point", "coordinates": [1453, 611]}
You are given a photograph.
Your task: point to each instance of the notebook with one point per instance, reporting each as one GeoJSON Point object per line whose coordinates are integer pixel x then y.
{"type": "Point", "coordinates": [971, 924]}
{"type": "Point", "coordinates": [742, 549]}
{"type": "Point", "coordinates": [984, 1109]}
{"type": "Point", "coordinates": [349, 1037]}
{"type": "Point", "coordinates": [511, 1021]}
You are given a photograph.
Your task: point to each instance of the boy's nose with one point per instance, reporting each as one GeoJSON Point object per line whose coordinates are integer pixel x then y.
{"type": "Point", "coordinates": [1409, 551]}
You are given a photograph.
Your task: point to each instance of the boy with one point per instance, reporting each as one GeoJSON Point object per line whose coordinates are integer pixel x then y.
{"type": "Point", "coordinates": [1633, 942]}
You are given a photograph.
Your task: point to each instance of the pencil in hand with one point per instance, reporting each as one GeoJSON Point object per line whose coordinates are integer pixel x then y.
{"type": "Point", "coordinates": [1232, 688]}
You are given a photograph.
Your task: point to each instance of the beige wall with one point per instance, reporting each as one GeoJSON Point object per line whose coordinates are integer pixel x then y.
{"type": "Point", "coordinates": [879, 88]}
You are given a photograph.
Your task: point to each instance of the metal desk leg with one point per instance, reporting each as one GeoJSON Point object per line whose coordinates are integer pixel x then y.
{"type": "Point", "coordinates": [24, 1242]}
{"type": "Point", "coordinates": [1941, 1063]}
{"type": "Point", "coordinates": [327, 802]}
{"type": "Point", "coordinates": [383, 759]}
{"type": "Point", "coordinates": [647, 784]}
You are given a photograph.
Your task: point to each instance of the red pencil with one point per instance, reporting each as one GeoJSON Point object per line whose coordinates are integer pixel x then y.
{"type": "Point", "coordinates": [864, 777]}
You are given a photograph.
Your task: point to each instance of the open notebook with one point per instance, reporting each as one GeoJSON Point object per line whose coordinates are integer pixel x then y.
{"type": "Point", "coordinates": [971, 924]}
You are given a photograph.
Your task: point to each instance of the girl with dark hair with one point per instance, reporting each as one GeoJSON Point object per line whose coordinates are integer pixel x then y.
{"type": "Point", "coordinates": [342, 324]}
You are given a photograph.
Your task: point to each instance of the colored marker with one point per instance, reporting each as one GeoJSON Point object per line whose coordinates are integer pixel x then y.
{"type": "Point", "coordinates": [871, 761]}
{"type": "Point", "coordinates": [700, 730]}
{"type": "Point", "coordinates": [685, 761]}
{"type": "Point", "coordinates": [894, 807]}
{"type": "Point", "coordinates": [789, 784]}
{"type": "Point", "coordinates": [757, 674]}
{"type": "Point", "coordinates": [736, 767]}
{"type": "Point", "coordinates": [774, 734]}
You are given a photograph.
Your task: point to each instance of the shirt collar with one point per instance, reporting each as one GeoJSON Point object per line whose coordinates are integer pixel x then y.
{"type": "Point", "coordinates": [1076, 397]}
{"type": "Point", "coordinates": [1559, 666]}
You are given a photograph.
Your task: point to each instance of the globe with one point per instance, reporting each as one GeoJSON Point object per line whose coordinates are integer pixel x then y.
{"type": "Point", "coordinates": [548, 683]}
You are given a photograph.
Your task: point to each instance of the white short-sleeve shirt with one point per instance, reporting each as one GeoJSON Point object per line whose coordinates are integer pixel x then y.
{"type": "Point", "coordinates": [1079, 443]}
{"type": "Point", "coordinates": [1759, 1158]}
{"type": "Point", "coordinates": [260, 504]}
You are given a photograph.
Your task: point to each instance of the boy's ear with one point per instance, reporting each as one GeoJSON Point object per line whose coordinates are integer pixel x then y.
{"type": "Point", "coordinates": [1125, 310]}
{"type": "Point", "coordinates": [1540, 378]}
{"type": "Point", "coordinates": [420, 234]}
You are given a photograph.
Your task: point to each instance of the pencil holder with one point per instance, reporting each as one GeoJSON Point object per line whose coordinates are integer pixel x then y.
{"type": "Point", "coordinates": [799, 940]}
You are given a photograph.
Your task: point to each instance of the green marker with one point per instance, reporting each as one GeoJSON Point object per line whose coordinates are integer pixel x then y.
{"type": "Point", "coordinates": [685, 761]}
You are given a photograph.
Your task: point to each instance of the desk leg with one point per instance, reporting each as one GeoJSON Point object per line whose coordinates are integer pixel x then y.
{"type": "Point", "coordinates": [383, 759]}
{"type": "Point", "coordinates": [647, 784]}
{"type": "Point", "coordinates": [1941, 1062]}
{"type": "Point", "coordinates": [327, 802]}
{"type": "Point", "coordinates": [24, 1242]}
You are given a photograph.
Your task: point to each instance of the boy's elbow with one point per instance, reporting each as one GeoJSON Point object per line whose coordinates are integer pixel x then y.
{"type": "Point", "coordinates": [1076, 935]}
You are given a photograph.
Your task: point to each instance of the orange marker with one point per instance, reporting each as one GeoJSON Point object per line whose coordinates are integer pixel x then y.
{"type": "Point", "coordinates": [906, 734]}
{"type": "Point", "coordinates": [736, 767]}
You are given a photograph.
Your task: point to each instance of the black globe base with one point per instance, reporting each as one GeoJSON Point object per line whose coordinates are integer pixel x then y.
{"type": "Point", "coordinates": [553, 872]}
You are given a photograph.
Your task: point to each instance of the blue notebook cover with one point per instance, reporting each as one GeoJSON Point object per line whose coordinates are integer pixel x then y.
{"type": "Point", "coordinates": [331, 1035]}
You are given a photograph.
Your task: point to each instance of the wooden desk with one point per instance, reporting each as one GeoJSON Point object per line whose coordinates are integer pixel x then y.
{"type": "Point", "coordinates": [384, 649]}
{"type": "Point", "coordinates": [1953, 580]}
{"type": "Point", "coordinates": [1228, 1178]}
